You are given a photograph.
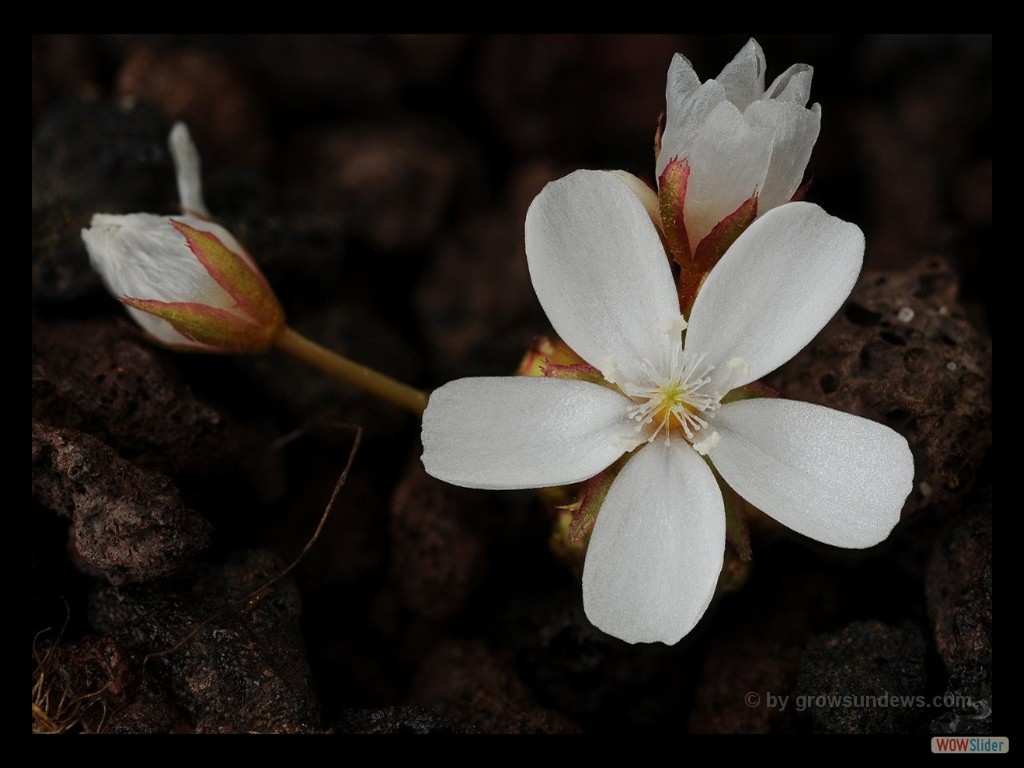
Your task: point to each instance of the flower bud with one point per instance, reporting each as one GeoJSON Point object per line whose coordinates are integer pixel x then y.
{"type": "Point", "coordinates": [734, 143]}
{"type": "Point", "coordinates": [185, 280]}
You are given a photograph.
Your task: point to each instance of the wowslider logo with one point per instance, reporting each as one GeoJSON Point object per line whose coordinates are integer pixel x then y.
{"type": "Point", "coordinates": [975, 744]}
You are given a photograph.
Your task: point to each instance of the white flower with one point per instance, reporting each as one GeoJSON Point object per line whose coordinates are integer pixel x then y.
{"type": "Point", "coordinates": [601, 274]}
{"type": "Point", "coordinates": [184, 279]}
{"type": "Point", "coordinates": [735, 138]}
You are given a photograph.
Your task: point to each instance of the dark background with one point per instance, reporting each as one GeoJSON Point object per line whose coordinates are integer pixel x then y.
{"type": "Point", "coordinates": [381, 182]}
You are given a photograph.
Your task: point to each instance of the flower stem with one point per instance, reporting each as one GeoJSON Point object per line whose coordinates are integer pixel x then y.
{"type": "Point", "coordinates": [343, 369]}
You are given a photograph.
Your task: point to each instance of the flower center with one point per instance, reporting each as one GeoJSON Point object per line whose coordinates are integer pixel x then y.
{"type": "Point", "coordinates": [677, 403]}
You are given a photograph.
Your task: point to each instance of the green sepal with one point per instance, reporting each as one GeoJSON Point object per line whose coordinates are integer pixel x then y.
{"type": "Point", "coordinates": [724, 234]}
{"type": "Point", "coordinates": [591, 498]}
{"type": "Point", "coordinates": [219, 329]}
{"type": "Point", "coordinates": [234, 273]}
{"type": "Point", "coordinates": [671, 198]}
{"type": "Point", "coordinates": [750, 391]}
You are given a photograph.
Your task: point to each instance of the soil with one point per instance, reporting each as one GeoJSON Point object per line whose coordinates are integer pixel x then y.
{"type": "Point", "coordinates": [381, 182]}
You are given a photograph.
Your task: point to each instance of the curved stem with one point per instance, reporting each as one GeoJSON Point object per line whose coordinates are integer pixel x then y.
{"type": "Point", "coordinates": [343, 369]}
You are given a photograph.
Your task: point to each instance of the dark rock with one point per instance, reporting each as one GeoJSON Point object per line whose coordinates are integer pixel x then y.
{"type": "Point", "coordinates": [476, 304]}
{"type": "Point", "coordinates": [61, 64]}
{"type": "Point", "coordinates": [901, 352]}
{"type": "Point", "coordinates": [227, 119]}
{"type": "Point", "coordinates": [299, 242]}
{"type": "Point", "coordinates": [752, 643]}
{"type": "Point", "coordinates": [233, 662]}
{"type": "Point", "coordinates": [314, 71]}
{"type": "Point", "coordinates": [127, 523]}
{"type": "Point", "coordinates": [351, 327]}
{"type": "Point", "coordinates": [958, 587]}
{"type": "Point", "coordinates": [354, 73]}
{"type": "Point", "coordinates": [148, 710]}
{"type": "Point", "coordinates": [466, 681]}
{"type": "Point", "coordinates": [393, 721]}
{"type": "Point", "coordinates": [393, 183]}
{"type": "Point", "coordinates": [738, 680]}
{"type": "Point", "coordinates": [973, 194]}
{"type": "Point", "coordinates": [930, 120]}
{"type": "Point", "coordinates": [94, 686]}
{"type": "Point", "coordinates": [89, 157]}
{"type": "Point", "coordinates": [422, 60]}
{"type": "Point", "coordinates": [866, 678]}
{"type": "Point", "coordinates": [353, 543]}
{"type": "Point", "coordinates": [967, 702]}
{"type": "Point", "coordinates": [594, 678]}
{"type": "Point", "coordinates": [755, 655]}
{"type": "Point", "coordinates": [60, 266]}
{"type": "Point", "coordinates": [95, 156]}
{"type": "Point", "coordinates": [438, 543]}
{"type": "Point", "coordinates": [566, 85]}
{"type": "Point", "coordinates": [473, 326]}
{"type": "Point", "coordinates": [101, 378]}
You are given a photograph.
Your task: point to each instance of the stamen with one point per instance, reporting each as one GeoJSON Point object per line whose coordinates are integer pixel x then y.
{"type": "Point", "coordinates": [626, 442]}
{"type": "Point", "coordinates": [738, 367]}
{"type": "Point", "coordinates": [675, 324]}
{"type": "Point", "coordinates": [648, 368]}
{"type": "Point", "coordinates": [703, 446]}
{"type": "Point", "coordinates": [676, 400]}
{"type": "Point", "coordinates": [610, 370]}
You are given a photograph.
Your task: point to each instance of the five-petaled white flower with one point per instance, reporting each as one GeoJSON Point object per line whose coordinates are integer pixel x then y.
{"type": "Point", "coordinates": [602, 276]}
{"type": "Point", "coordinates": [736, 138]}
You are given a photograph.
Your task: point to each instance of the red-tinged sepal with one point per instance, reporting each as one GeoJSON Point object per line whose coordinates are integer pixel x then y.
{"type": "Point", "coordinates": [749, 392]}
{"type": "Point", "coordinates": [215, 330]}
{"type": "Point", "coordinates": [802, 191]}
{"type": "Point", "coordinates": [711, 249]}
{"type": "Point", "coordinates": [578, 371]}
{"type": "Point", "coordinates": [724, 234]}
{"type": "Point", "coordinates": [553, 358]}
{"type": "Point", "coordinates": [575, 521]}
{"type": "Point", "coordinates": [738, 553]}
{"type": "Point", "coordinates": [671, 198]}
{"type": "Point", "coordinates": [736, 512]}
{"type": "Point", "coordinates": [235, 272]}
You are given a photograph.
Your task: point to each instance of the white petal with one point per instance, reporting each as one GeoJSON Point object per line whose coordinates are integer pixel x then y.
{"type": "Point", "coordinates": [656, 551]}
{"type": "Point", "coordinates": [792, 85]}
{"type": "Point", "coordinates": [187, 169]}
{"type": "Point", "coordinates": [600, 271]}
{"type": "Point", "coordinates": [834, 477]}
{"type": "Point", "coordinates": [684, 119]}
{"type": "Point", "coordinates": [523, 431]}
{"type": "Point", "coordinates": [647, 196]}
{"type": "Point", "coordinates": [142, 256]}
{"type": "Point", "coordinates": [729, 161]}
{"type": "Point", "coordinates": [743, 77]}
{"type": "Point", "coordinates": [774, 289]}
{"type": "Point", "coordinates": [795, 129]}
{"type": "Point", "coordinates": [682, 81]}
